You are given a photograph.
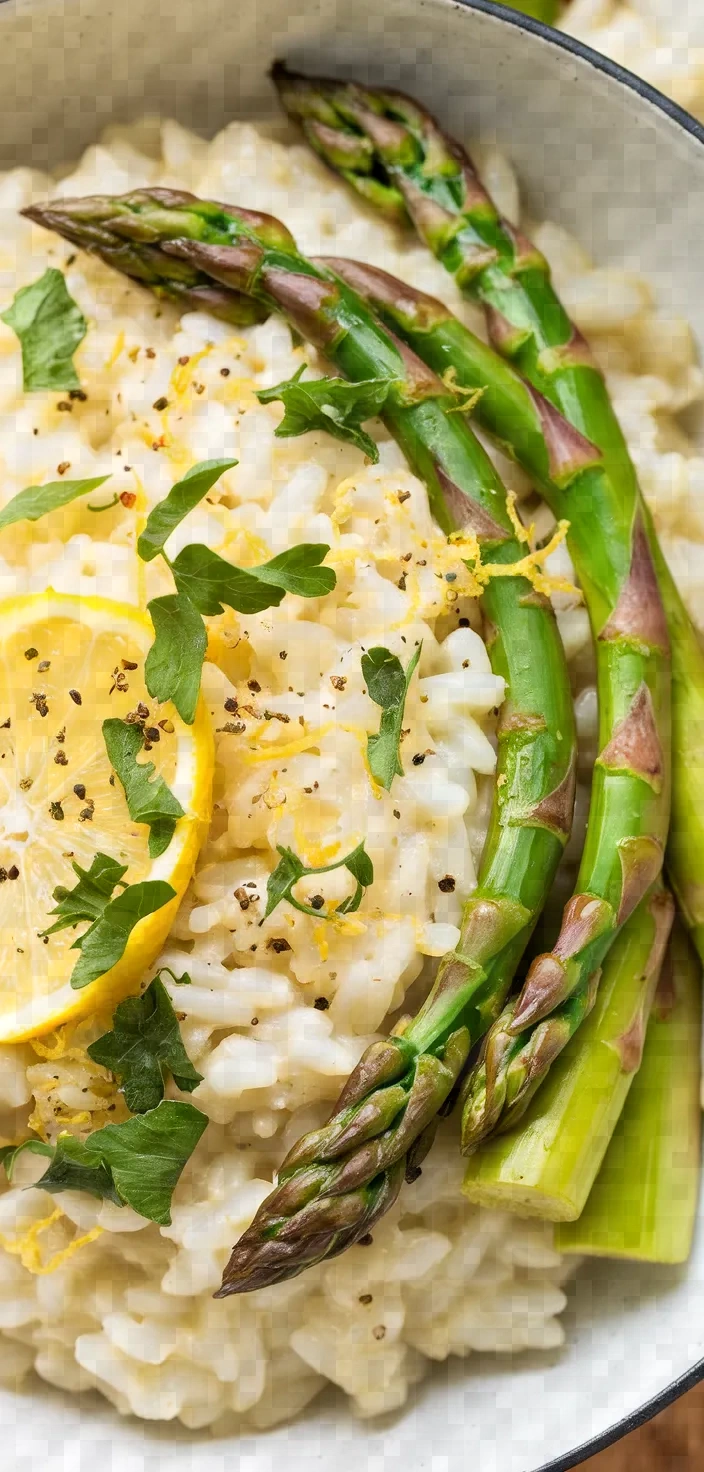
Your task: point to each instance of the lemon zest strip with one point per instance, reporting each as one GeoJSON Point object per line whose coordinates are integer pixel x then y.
{"type": "Point", "coordinates": [28, 1248]}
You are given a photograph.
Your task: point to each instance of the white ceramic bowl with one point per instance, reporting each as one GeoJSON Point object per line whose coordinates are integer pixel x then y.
{"type": "Point", "coordinates": [625, 169]}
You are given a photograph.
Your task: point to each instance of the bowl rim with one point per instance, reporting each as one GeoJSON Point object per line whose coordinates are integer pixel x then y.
{"type": "Point", "coordinates": [647, 93]}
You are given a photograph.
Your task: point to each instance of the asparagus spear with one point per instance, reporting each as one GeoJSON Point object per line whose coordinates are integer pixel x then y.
{"type": "Point", "coordinates": [548, 1165]}
{"type": "Point", "coordinates": [644, 1201]}
{"type": "Point", "coordinates": [526, 426]}
{"type": "Point", "coordinates": [509, 1073]}
{"type": "Point", "coordinates": [396, 156]}
{"type": "Point", "coordinates": [337, 1181]}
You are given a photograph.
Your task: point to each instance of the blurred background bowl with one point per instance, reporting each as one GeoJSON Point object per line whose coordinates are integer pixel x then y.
{"type": "Point", "coordinates": [623, 168]}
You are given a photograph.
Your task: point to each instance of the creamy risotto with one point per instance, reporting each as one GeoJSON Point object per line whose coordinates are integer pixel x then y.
{"type": "Point", "coordinates": [661, 40]}
{"type": "Point", "coordinates": [92, 1295]}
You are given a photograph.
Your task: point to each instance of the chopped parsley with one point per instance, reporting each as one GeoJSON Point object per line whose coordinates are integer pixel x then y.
{"type": "Point", "coordinates": [9, 1154]}
{"type": "Point", "coordinates": [330, 404]}
{"type": "Point", "coordinates": [137, 1163]}
{"type": "Point", "coordinates": [387, 683]}
{"type": "Point", "coordinates": [149, 799]}
{"type": "Point", "coordinates": [205, 582]}
{"type": "Point", "coordinates": [144, 1048]}
{"type": "Point", "coordinates": [36, 501]}
{"type": "Point", "coordinates": [50, 326]}
{"type": "Point", "coordinates": [182, 498]}
{"type": "Point", "coordinates": [112, 920]}
{"type": "Point", "coordinates": [290, 869]}
{"type": "Point", "coordinates": [174, 664]}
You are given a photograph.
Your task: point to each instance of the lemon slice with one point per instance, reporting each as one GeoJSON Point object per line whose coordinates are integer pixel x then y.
{"type": "Point", "coordinates": [66, 664]}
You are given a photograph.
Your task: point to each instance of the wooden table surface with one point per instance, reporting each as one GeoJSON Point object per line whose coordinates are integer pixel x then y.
{"type": "Point", "coordinates": [673, 1442]}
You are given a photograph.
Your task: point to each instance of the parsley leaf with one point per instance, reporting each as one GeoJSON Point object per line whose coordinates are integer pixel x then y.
{"type": "Point", "coordinates": [87, 900]}
{"type": "Point", "coordinates": [181, 499]}
{"type": "Point", "coordinates": [149, 799]}
{"type": "Point", "coordinates": [173, 666]}
{"type": "Point", "coordinates": [10, 1153]}
{"type": "Point", "coordinates": [330, 404]}
{"type": "Point", "coordinates": [104, 944]}
{"type": "Point", "coordinates": [75, 1167]}
{"type": "Point", "coordinates": [290, 869]}
{"type": "Point", "coordinates": [112, 920]}
{"type": "Point", "coordinates": [144, 1046]}
{"type": "Point", "coordinates": [137, 1163]}
{"type": "Point", "coordinates": [298, 570]}
{"type": "Point", "coordinates": [38, 501]}
{"type": "Point", "coordinates": [50, 325]}
{"type": "Point", "coordinates": [387, 683]}
{"type": "Point", "coordinates": [209, 581]}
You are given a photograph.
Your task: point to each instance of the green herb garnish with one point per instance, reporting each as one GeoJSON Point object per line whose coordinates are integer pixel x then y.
{"type": "Point", "coordinates": [387, 682]}
{"type": "Point", "coordinates": [290, 869]}
{"type": "Point", "coordinates": [112, 920]}
{"type": "Point", "coordinates": [137, 1163]}
{"type": "Point", "coordinates": [173, 667]}
{"type": "Point", "coordinates": [182, 498]}
{"type": "Point", "coordinates": [38, 501]}
{"type": "Point", "coordinates": [50, 325]}
{"type": "Point", "coordinates": [330, 404]}
{"type": "Point", "coordinates": [9, 1153]}
{"type": "Point", "coordinates": [205, 583]}
{"type": "Point", "coordinates": [144, 1047]}
{"type": "Point", "coordinates": [149, 799]}
{"type": "Point", "coordinates": [88, 898]}
{"type": "Point", "coordinates": [208, 581]}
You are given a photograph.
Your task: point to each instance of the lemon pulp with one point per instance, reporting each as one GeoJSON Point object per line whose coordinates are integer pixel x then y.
{"type": "Point", "coordinates": [67, 664]}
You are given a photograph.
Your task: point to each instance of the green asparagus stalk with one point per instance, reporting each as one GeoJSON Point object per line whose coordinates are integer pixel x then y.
{"type": "Point", "coordinates": [337, 1181]}
{"type": "Point", "coordinates": [548, 1165]}
{"type": "Point", "coordinates": [526, 426]}
{"type": "Point", "coordinates": [506, 1078]}
{"type": "Point", "coordinates": [644, 1202]}
{"type": "Point", "coordinates": [397, 157]}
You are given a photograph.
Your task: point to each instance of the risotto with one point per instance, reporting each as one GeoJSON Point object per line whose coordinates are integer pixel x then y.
{"type": "Point", "coordinates": [277, 1013]}
{"type": "Point", "coordinates": [661, 40]}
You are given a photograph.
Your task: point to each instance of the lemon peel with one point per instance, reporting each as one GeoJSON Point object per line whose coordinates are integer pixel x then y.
{"type": "Point", "coordinates": [28, 1248]}
{"type": "Point", "coordinates": [57, 804]}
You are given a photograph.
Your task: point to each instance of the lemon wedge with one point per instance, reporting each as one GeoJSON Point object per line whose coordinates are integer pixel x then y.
{"type": "Point", "coordinates": [66, 665]}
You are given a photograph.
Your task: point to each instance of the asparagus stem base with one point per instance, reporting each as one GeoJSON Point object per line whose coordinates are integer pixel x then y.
{"type": "Point", "coordinates": [547, 1166]}
{"type": "Point", "coordinates": [644, 1202]}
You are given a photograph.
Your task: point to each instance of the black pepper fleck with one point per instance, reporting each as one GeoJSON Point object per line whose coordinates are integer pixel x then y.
{"type": "Point", "coordinates": [278, 944]}
{"type": "Point", "coordinates": [31, 653]}
{"type": "Point", "coordinates": [447, 885]}
{"type": "Point", "coordinates": [80, 791]}
{"type": "Point", "coordinates": [76, 697]}
{"type": "Point", "coordinates": [321, 1004]}
{"type": "Point", "coordinates": [57, 812]}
